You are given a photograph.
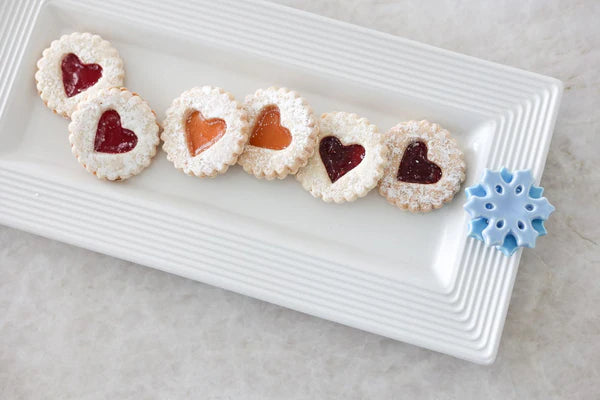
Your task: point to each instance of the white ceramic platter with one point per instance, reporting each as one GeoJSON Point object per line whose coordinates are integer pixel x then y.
{"type": "Point", "coordinates": [415, 278]}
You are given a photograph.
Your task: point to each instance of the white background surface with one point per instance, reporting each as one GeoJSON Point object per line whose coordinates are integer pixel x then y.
{"type": "Point", "coordinates": [75, 324]}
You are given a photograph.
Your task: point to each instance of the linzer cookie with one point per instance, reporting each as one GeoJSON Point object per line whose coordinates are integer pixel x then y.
{"type": "Point", "coordinates": [74, 66]}
{"type": "Point", "coordinates": [426, 166]}
{"type": "Point", "coordinates": [205, 131]}
{"type": "Point", "coordinates": [350, 161]}
{"type": "Point", "coordinates": [114, 134]}
{"type": "Point", "coordinates": [283, 133]}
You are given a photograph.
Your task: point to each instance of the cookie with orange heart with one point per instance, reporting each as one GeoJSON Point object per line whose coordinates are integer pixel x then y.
{"type": "Point", "coordinates": [114, 134]}
{"type": "Point", "coordinates": [76, 66]}
{"type": "Point", "coordinates": [205, 131]}
{"type": "Point", "coordinates": [283, 133]}
{"type": "Point", "coordinates": [426, 166]}
{"type": "Point", "coordinates": [350, 160]}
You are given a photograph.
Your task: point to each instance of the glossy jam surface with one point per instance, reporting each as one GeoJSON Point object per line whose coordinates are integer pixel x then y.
{"type": "Point", "coordinates": [78, 76]}
{"type": "Point", "coordinates": [268, 132]}
{"type": "Point", "coordinates": [339, 159]}
{"type": "Point", "coordinates": [202, 133]}
{"type": "Point", "coordinates": [111, 137]}
{"type": "Point", "coordinates": [416, 168]}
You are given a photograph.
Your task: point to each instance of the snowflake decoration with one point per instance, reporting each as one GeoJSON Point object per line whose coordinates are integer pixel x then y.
{"type": "Point", "coordinates": [507, 210]}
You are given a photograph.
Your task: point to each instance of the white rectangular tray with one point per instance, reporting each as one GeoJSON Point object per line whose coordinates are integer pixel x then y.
{"type": "Point", "coordinates": [415, 278]}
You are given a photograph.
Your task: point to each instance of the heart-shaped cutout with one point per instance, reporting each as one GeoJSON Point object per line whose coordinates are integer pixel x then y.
{"type": "Point", "coordinates": [111, 137]}
{"type": "Point", "coordinates": [202, 133]}
{"type": "Point", "coordinates": [339, 159]}
{"type": "Point", "coordinates": [416, 168]}
{"type": "Point", "coordinates": [78, 76]}
{"type": "Point", "coordinates": [268, 132]}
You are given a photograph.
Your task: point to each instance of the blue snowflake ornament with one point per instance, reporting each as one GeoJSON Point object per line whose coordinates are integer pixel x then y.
{"type": "Point", "coordinates": [507, 210]}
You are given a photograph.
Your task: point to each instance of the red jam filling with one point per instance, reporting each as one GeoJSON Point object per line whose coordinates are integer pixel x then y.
{"type": "Point", "coordinates": [416, 168]}
{"type": "Point", "coordinates": [339, 159]}
{"type": "Point", "coordinates": [111, 137]}
{"type": "Point", "coordinates": [268, 132]}
{"type": "Point", "coordinates": [77, 76]}
{"type": "Point", "coordinates": [202, 133]}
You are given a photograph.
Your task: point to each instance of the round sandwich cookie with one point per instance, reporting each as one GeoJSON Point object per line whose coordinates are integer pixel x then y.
{"type": "Point", "coordinates": [75, 66]}
{"type": "Point", "coordinates": [426, 166]}
{"type": "Point", "coordinates": [205, 131]}
{"type": "Point", "coordinates": [283, 133]}
{"type": "Point", "coordinates": [350, 159]}
{"type": "Point", "coordinates": [114, 134]}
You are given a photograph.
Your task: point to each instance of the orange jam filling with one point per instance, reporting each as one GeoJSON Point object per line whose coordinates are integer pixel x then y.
{"type": "Point", "coordinates": [202, 133]}
{"type": "Point", "coordinates": [268, 132]}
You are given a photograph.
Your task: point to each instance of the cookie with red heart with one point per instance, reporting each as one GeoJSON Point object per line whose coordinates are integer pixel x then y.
{"type": "Point", "coordinates": [426, 166]}
{"type": "Point", "coordinates": [283, 133]}
{"type": "Point", "coordinates": [114, 134]}
{"type": "Point", "coordinates": [350, 159]}
{"type": "Point", "coordinates": [75, 66]}
{"type": "Point", "coordinates": [205, 131]}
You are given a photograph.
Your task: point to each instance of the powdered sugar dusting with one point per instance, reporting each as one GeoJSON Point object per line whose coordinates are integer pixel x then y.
{"type": "Point", "coordinates": [349, 129]}
{"type": "Point", "coordinates": [90, 49]}
{"type": "Point", "coordinates": [135, 115]}
{"type": "Point", "coordinates": [297, 117]}
{"type": "Point", "coordinates": [211, 102]}
{"type": "Point", "coordinates": [442, 150]}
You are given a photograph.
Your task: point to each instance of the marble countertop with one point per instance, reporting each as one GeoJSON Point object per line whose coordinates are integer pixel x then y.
{"type": "Point", "coordinates": [79, 325]}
